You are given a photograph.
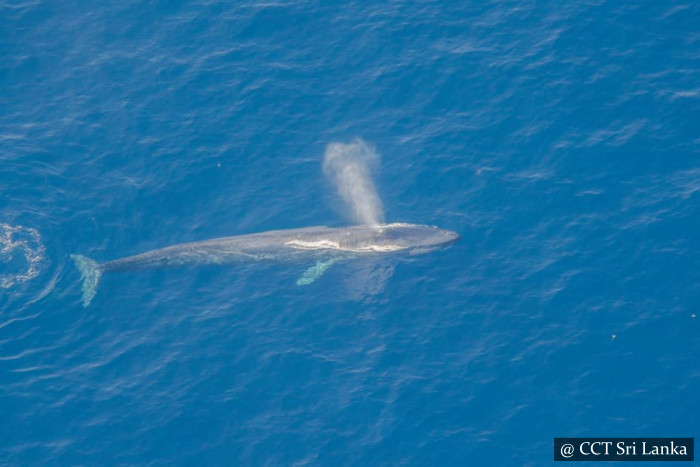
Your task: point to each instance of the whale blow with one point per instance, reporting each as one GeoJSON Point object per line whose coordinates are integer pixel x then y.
{"type": "Point", "coordinates": [349, 167]}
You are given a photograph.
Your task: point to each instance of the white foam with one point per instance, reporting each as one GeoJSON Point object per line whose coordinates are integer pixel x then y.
{"type": "Point", "coordinates": [24, 241]}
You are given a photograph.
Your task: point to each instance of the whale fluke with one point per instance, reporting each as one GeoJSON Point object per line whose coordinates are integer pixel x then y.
{"type": "Point", "coordinates": [91, 272]}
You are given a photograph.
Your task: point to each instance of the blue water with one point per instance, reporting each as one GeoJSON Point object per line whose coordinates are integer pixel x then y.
{"type": "Point", "coordinates": [560, 139]}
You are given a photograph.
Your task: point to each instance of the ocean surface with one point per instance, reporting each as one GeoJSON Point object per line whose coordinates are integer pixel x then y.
{"type": "Point", "coordinates": [560, 139]}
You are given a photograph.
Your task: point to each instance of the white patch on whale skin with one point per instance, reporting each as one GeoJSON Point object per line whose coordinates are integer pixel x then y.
{"type": "Point", "coordinates": [314, 245]}
{"type": "Point", "coordinates": [379, 248]}
{"type": "Point", "coordinates": [331, 245]}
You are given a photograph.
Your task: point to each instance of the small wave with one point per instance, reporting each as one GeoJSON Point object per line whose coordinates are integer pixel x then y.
{"type": "Point", "coordinates": [21, 254]}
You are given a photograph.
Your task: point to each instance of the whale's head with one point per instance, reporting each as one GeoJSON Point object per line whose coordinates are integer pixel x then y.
{"type": "Point", "coordinates": [416, 238]}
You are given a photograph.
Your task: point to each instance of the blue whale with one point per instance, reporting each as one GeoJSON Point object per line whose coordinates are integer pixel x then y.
{"type": "Point", "coordinates": [325, 245]}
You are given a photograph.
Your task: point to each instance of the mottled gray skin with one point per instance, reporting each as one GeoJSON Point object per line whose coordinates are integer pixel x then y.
{"type": "Point", "coordinates": [310, 243]}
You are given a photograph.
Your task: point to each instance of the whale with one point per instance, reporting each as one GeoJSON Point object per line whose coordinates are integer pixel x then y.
{"type": "Point", "coordinates": [322, 246]}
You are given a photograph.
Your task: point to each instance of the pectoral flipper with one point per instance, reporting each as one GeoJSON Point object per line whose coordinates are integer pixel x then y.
{"type": "Point", "coordinates": [314, 272]}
